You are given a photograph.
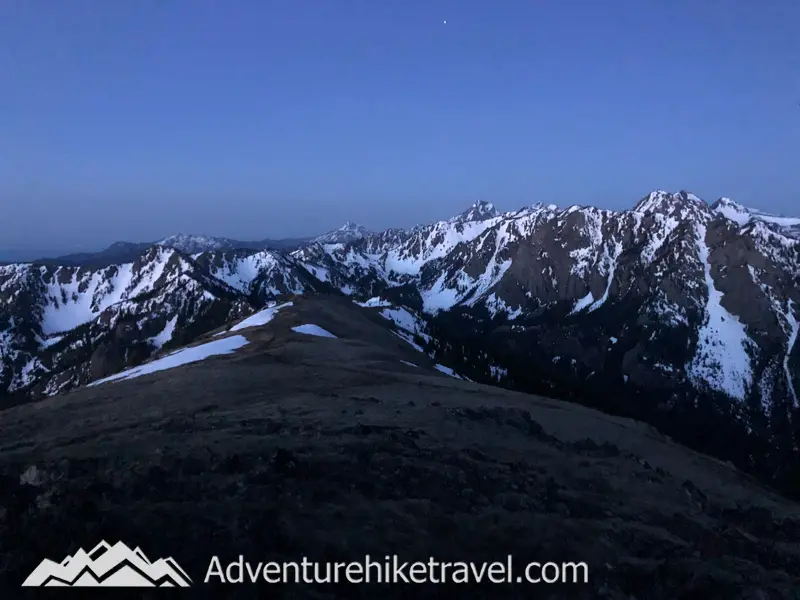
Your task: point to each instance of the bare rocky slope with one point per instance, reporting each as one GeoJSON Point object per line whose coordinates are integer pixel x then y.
{"type": "Point", "coordinates": [296, 445]}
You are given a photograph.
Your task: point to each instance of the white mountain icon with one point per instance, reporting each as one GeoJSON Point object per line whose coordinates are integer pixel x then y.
{"type": "Point", "coordinates": [108, 566]}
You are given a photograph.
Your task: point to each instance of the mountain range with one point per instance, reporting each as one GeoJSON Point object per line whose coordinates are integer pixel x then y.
{"type": "Point", "coordinates": [673, 309]}
{"type": "Point", "coordinates": [120, 252]}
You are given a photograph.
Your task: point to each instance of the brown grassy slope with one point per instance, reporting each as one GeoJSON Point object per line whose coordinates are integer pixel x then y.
{"type": "Point", "coordinates": [302, 446]}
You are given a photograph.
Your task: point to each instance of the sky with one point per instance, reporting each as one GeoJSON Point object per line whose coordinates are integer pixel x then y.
{"type": "Point", "coordinates": [136, 119]}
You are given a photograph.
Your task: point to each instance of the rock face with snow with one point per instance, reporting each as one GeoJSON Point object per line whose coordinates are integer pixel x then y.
{"type": "Point", "coordinates": [195, 244]}
{"type": "Point", "coordinates": [123, 252]}
{"type": "Point", "coordinates": [65, 326]}
{"type": "Point", "coordinates": [664, 304]}
{"type": "Point", "coordinates": [700, 297]}
{"type": "Point", "coordinates": [739, 214]}
{"type": "Point", "coordinates": [261, 276]}
{"type": "Point", "coordinates": [696, 295]}
{"type": "Point", "coordinates": [348, 232]}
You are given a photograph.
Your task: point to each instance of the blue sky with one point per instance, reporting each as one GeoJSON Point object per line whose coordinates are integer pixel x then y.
{"type": "Point", "coordinates": [135, 119]}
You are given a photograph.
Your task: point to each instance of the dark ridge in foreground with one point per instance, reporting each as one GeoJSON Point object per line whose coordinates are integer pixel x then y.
{"type": "Point", "coordinates": [333, 449]}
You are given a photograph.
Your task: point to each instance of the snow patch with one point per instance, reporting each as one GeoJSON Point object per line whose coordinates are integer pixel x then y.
{"type": "Point", "coordinates": [721, 360]}
{"type": "Point", "coordinates": [403, 319]}
{"type": "Point", "coordinates": [319, 272]}
{"type": "Point", "coordinates": [181, 357]}
{"type": "Point", "coordinates": [734, 212]}
{"type": "Point", "coordinates": [166, 333]}
{"type": "Point", "coordinates": [587, 300]}
{"type": "Point", "coordinates": [793, 329]}
{"type": "Point", "coordinates": [260, 318]}
{"type": "Point", "coordinates": [496, 305]}
{"type": "Point", "coordinates": [315, 330]}
{"type": "Point", "coordinates": [447, 371]}
{"type": "Point", "coordinates": [376, 302]}
{"type": "Point", "coordinates": [439, 297]}
{"type": "Point", "coordinates": [407, 338]}
{"type": "Point", "coordinates": [611, 260]}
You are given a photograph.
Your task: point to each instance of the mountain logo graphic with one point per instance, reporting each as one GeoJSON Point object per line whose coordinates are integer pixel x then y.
{"type": "Point", "coordinates": [108, 566]}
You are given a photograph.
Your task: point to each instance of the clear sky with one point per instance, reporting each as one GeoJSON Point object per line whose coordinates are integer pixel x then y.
{"type": "Point", "coordinates": [135, 119]}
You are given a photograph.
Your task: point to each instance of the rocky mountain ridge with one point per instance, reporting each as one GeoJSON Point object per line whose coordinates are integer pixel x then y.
{"type": "Point", "coordinates": [670, 306]}
{"type": "Point", "coordinates": [724, 290]}
{"type": "Point", "coordinates": [676, 312]}
{"type": "Point", "coordinates": [348, 232]}
{"type": "Point", "coordinates": [722, 286]}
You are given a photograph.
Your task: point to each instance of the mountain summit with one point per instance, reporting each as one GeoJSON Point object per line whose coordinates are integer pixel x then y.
{"type": "Point", "coordinates": [680, 204]}
{"type": "Point", "coordinates": [348, 232]}
{"type": "Point", "coordinates": [481, 210]}
{"type": "Point", "coordinates": [742, 215]}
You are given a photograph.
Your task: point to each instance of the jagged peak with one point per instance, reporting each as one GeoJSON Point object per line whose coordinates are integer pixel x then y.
{"type": "Point", "coordinates": [535, 208]}
{"type": "Point", "coordinates": [725, 201]}
{"type": "Point", "coordinates": [158, 254]}
{"type": "Point", "coordinates": [348, 232]}
{"type": "Point", "coordinates": [540, 206]}
{"type": "Point", "coordinates": [680, 203]}
{"type": "Point", "coordinates": [352, 226]}
{"type": "Point", "coordinates": [158, 249]}
{"type": "Point", "coordinates": [732, 210]}
{"type": "Point", "coordinates": [480, 210]}
{"type": "Point", "coordinates": [191, 243]}
{"type": "Point", "coordinates": [186, 237]}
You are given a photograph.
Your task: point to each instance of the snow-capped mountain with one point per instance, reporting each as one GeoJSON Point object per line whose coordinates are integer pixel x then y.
{"type": "Point", "coordinates": [348, 232]}
{"type": "Point", "coordinates": [260, 276]}
{"type": "Point", "coordinates": [742, 215]}
{"type": "Point", "coordinates": [65, 326]}
{"type": "Point", "coordinates": [480, 211]}
{"type": "Point", "coordinates": [673, 294]}
{"type": "Point", "coordinates": [692, 295]}
{"type": "Point", "coordinates": [121, 252]}
{"type": "Point", "coordinates": [193, 244]}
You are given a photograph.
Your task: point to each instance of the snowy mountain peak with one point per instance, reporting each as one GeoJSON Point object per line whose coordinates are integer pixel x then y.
{"type": "Point", "coordinates": [349, 226]}
{"type": "Point", "coordinates": [192, 244]}
{"type": "Point", "coordinates": [678, 204]}
{"type": "Point", "coordinates": [741, 215]}
{"type": "Point", "coordinates": [725, 201]}
{"type": "Point", "coordinates": [348, 232]}
{"type": "Point", "coordinates": [481, 210]}
{"type": "Point", "coordinates": [732, 210]}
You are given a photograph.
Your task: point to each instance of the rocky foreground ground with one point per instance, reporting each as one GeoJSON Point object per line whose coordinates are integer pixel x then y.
{"type": "Point", "coordinates": [333, 449]}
